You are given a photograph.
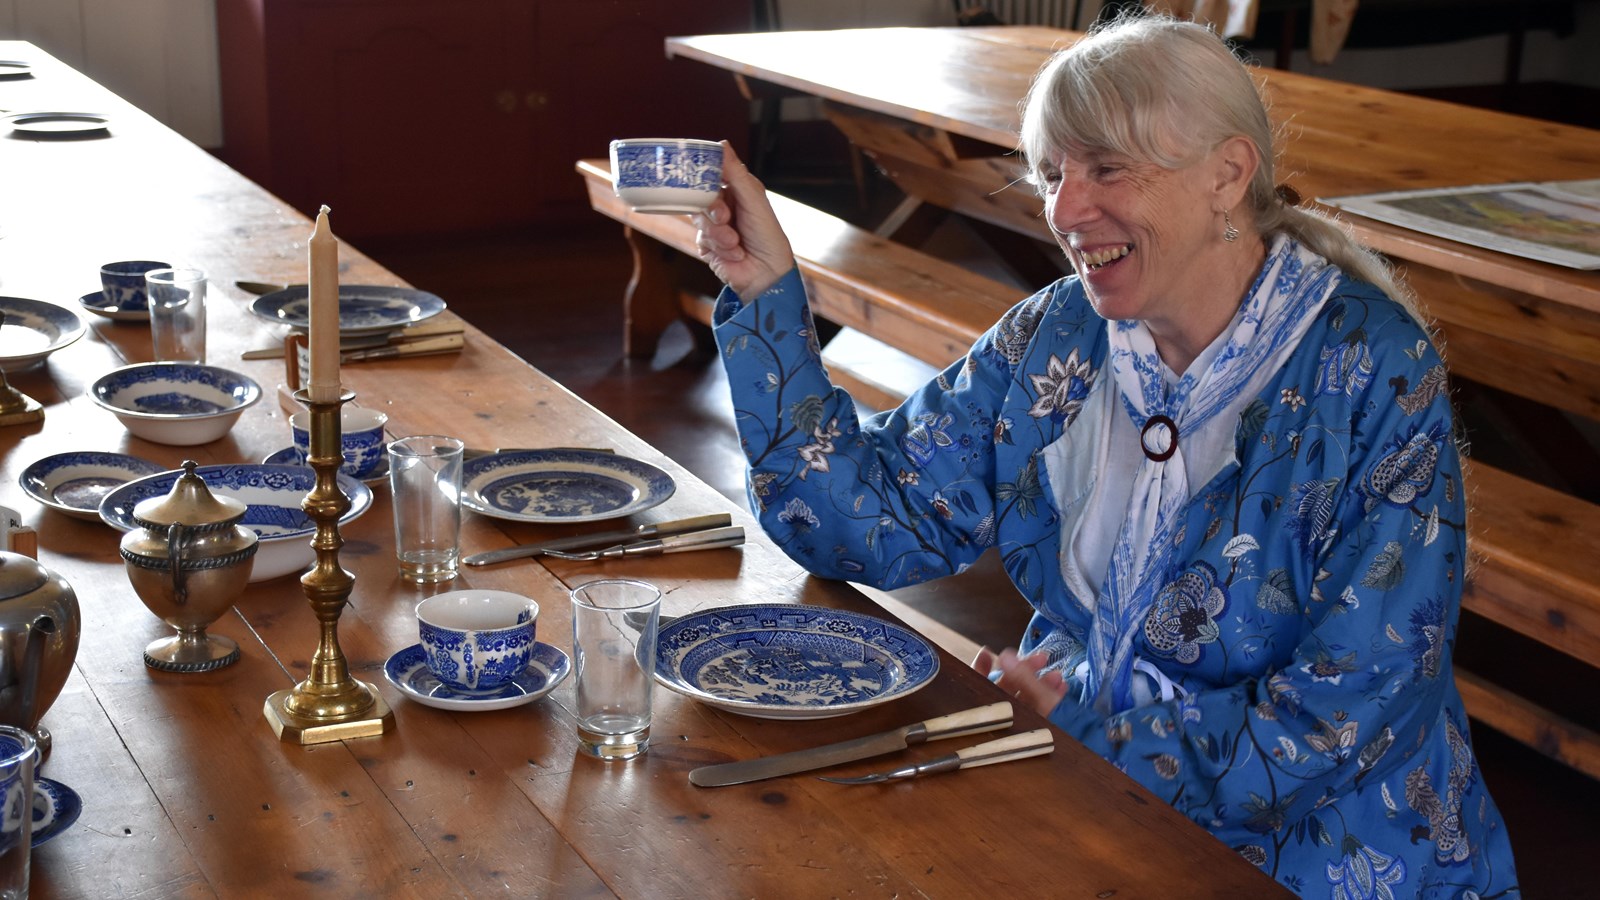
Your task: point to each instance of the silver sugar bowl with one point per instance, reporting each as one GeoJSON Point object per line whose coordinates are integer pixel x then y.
{"type": "Point", "coordinates": [188, 561]}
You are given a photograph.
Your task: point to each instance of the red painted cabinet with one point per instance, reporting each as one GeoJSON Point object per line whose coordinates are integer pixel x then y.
{"type": "Point", "coordinates": [426, 116]}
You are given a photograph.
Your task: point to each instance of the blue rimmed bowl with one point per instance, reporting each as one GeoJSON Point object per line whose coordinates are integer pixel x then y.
{"type": "Point", "coordinates": [33, 330]}
{"type": "Point", "coordinates": [176, 402]}
{"type": "Point", "coordinates": [666, 175]}
{"type": "Point", "coordinates": [271, 495]}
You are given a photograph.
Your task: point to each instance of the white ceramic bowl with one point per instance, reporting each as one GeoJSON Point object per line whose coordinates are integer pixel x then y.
{"type": "Point", "coordinates": [272, 495]}
{"type": "Point", "coordinates": [666, 175]}
{"type": "Point", "coordinates": [175, 402]}
{"type": "Point", "coordinates": [33, 330]}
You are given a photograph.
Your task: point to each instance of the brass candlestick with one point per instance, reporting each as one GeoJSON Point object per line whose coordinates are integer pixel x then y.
{"type": "Point", "coordinates": [329, 705]}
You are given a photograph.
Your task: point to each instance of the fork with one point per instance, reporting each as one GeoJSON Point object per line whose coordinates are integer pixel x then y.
{"type": "Point", "coordinates": [1013, 746]}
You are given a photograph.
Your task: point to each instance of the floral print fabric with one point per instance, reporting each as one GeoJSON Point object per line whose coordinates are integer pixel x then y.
{"type": "Point", "coordinates": [1310, 599]}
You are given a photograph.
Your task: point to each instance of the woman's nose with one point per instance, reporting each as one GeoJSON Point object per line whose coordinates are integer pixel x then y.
{"type": "Point", "coordinates": [1069, 209]}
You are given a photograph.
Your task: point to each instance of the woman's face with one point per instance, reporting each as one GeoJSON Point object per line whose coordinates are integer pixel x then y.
{"type": "Point", "coordinates": [1143, 238]}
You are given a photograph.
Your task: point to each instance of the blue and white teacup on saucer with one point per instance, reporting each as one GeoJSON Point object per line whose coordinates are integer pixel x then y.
{"type": "Point", "coordinates": [122, 284]}
{"type": "Point", "coordinates": [361, 439]}
{"type": "Point", "coordinates": [477, 641]}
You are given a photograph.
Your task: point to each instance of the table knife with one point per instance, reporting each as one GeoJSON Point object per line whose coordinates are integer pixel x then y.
{"type": "Point", "coordinates": [973, 721]}
{"type": "Point", "coordinates": [1013, 746]}
{"type": "Point", "coordinates": [602, 538]}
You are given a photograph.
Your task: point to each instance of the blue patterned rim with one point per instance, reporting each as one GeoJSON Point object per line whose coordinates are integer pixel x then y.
{"type": "Point", "coordinates": [275, 521]}
{"type": "Point", "coordinates": [561, 485]}
{"type": "Point", "coordinates": [181, 391]}
{"type": "Point", "coordinates": [362, 307]}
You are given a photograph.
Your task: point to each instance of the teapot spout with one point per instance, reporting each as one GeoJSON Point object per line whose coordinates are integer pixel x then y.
{"type": "Point", "coordinates": [39, 634]}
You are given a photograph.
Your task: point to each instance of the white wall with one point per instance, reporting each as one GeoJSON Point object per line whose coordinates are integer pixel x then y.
{"type": "Point", "coordinates": [159, 55]}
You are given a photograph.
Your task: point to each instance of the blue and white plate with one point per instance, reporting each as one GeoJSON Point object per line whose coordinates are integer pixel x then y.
{"type": "Point", "coordinates": [75, 483]}
{"type": "Point", "coordinates": [33, 330]}
{"type": "Point", "coordinates": [58, 122]}
{"type": "Point", "coordinates": [289, 456]}
{"type": "Point", "coordinates": [408, 671]}
{"type": "Point", "coordinates": [363, 308]}
{"type": "Point", "coordinates": [570, 485]}
{"type": "Point", "coordinates": [56, 806]}
{"type": "Point", "coordinates": [787, 661]}
{"type": "Point", "coordinates": [15, 68]}
{"type": "Point", "coordinates": [100, 306]}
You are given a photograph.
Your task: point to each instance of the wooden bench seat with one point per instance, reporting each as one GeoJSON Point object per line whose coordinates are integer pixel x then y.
{"type": "Point", "coordinates": [1533, 548]}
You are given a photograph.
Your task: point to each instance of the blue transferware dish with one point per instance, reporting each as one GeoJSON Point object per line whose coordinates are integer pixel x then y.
{"type": "Point", "coordinates": [408, 671]}
{"type": "Point", "coordinates": [788, 661]}
{"type": "Point", "coordinates": [272, 496]}
{"type": "Point", "coordinates": [666, 175]}
{"type": "Point", "coordinates": [179, 403]}
{"type": "Point", "coordinates": [363, 308]}
{"type": "Point", "coordinates": [75, 483]}
{"type": "Point", "coordinates": [33, 330]}
{"type": "Point", "coordinates": [55, 808]}
{"type": "Point", "coordinates": [291, 456]}
{"type": "Point", "coordinates": [96, 303]}
{"type": "Point", "coordinates": [566, 485]}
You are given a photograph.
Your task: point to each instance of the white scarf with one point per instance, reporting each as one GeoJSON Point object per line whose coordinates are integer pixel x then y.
{"type": "Point", "coordinates": [1284, 301]}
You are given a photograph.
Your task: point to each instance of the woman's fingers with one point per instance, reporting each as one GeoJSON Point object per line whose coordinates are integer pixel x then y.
{"type": "Point", "coordinates": [1023, 677]}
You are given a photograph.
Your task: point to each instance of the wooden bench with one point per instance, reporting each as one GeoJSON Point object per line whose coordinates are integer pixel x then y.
{"type": "Point", "coordinates": [1534, 549]}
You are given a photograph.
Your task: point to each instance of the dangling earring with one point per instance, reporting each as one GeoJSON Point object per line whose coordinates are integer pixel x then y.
{"type": "Point", "coordinates": [1230, 233]}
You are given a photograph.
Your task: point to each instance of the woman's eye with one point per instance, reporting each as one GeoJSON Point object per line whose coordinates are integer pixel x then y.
{"type": "Point", "coordinates": [1107, 170]}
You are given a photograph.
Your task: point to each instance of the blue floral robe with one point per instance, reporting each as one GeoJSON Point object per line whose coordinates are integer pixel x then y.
{"type": "Point", "coordinates": [1313, 594]}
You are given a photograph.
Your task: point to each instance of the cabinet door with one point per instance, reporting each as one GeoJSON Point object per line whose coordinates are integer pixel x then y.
{"type": "Point", "coordinates": [601, 72]}
{"type": "Point", "coordinates": [408, 115]}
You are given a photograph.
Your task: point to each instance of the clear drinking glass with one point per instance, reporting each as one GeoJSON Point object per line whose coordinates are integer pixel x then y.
{"type": "Point", "coordinates": [177, 299]}
{"type": "Point", "coordinates": [614, 624]}
{"type": "Point", "coordinates": [425, 481]}
{"type": "Point", "coordinates": [19, 752]}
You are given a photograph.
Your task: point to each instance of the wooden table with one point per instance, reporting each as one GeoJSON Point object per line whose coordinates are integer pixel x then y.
{"type": "Point", "coordinates": [938, 110]}
{"type": "Point", "coordinates": [187, 792]}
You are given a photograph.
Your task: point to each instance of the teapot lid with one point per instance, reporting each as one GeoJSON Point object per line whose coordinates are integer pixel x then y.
{"type": "Point", "coordinates": [189, 503]}
{"type": "Point", "coordinates": [20, 575]}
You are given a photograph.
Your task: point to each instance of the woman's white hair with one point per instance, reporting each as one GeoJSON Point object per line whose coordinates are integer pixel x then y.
{"type": "Point", "coordinates": [1164, 91]}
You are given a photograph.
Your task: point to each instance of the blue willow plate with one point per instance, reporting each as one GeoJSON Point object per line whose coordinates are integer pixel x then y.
{"type": "Point", "coordinates": [33, 330]}
{"type": "Point", "coordinates": [408, 671]}
{"type": "Point", "coordinates": [271, 495]}
{"type": "Point", "coordinates": [786, 661]}
{"type": "Point", "coordinates": [363, 308]}
{"type": "Point", "coordinates": [561, 485]}
{"type": "Point", "coordinates": [75, 483]}
{"type": "Point", "coordinates": [57, 803]}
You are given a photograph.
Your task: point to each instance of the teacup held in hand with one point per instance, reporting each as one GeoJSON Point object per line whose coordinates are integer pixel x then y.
{"type": "Point", "coordinates": [666, 175]}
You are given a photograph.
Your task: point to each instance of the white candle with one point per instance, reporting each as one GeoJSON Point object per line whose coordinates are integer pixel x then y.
{"type": "Point", "coordinates": [324, 286]}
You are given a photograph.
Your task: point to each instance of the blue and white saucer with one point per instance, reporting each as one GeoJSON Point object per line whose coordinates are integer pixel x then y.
{"type": "Point", "coordinates": [408, 671]}
{"type": "Point", "coordinates": [288, 456]}
{"type": "Point", "coordinates": [55, 808]}
{"type": "Point", "coordinates": [96, 303]}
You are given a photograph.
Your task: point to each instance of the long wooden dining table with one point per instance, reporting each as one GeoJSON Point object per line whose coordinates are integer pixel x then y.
{"type": "Point", "coordinates": [186, 790]}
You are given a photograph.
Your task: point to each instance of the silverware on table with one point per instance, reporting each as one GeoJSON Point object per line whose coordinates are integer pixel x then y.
{"type": "Point", "coordinates": [600, 539]}
{"type": "Point", "coordinates": [1038, 742]}
{"type": "Point", "coordinates": [709, 539]}
{"type": "Point", "coordinates": [992, 717]}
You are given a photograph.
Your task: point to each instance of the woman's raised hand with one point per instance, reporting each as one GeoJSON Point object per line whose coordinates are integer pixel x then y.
{"type": "Point", "coordinates": [1019, 676]}
{"type": "Point", "coordinates": [740, 237]}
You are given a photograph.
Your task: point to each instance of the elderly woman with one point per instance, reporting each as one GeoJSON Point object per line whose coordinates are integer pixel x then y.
{"type": "Point", "coordinates": [1218, 462]}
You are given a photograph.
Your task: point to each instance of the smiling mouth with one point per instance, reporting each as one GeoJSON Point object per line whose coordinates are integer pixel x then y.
{"type": "Point", "coordinates": [1102, 258]}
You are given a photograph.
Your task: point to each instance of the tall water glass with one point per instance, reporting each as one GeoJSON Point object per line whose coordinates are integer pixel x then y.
{"type": "Point", "coordinates": [425, 481]}
{"type": "Point", "coordinates": [614, 624]}
{"type": "Point", "coordinates": [18, 755]}
{"type": "Point", "coordinates": [177, 299]}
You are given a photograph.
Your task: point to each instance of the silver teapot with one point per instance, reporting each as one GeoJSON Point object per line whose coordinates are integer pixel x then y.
{"type": "Point", "coordinates": [39, 628]}
{"type": "Point", "coordinates": [188, 561]}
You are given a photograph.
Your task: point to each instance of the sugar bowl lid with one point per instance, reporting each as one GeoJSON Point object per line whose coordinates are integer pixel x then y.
{"type": "Point", "coordinates": [189, 503]}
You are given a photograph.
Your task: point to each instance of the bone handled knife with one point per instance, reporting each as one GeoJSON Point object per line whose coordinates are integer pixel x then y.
{"type": "Point", "coordinates": [602, 539]}
{"type": "Point", "coordinates": [973, 721]}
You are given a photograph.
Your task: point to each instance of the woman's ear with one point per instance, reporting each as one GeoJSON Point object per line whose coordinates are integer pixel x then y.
{"type": "Point", "coordinates": [1236, 161]}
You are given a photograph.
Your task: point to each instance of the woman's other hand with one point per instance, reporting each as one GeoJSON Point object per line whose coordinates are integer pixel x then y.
{"type": "Point", "coordinates": [740, 237]}
{"type": "Point", "coordinates": [1020, 676]}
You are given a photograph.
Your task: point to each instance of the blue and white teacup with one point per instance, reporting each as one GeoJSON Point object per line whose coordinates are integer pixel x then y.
{"type": "Point", "coordinates": [122, 283]}
{"type": "Point", "coordinates": [477, 641]}
{"type": "Point", "coordinates": [19, 755]}
{"type": "Point", "coordinates": [361, 437]}
{"type": "Point", "coordinates": [666, 175]}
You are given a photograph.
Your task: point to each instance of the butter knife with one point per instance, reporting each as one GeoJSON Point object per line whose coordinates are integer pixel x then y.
{"type": "Point", "coordinates": [1013, 746]}
{"type": "Point", "coordinates": [602, 538]}
{"type": "Point", "coordinates": [973, 721]}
